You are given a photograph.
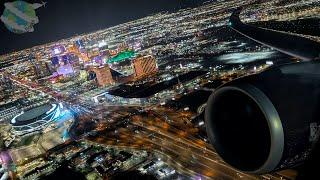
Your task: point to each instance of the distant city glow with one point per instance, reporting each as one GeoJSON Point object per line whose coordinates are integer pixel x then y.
{"type": "Point", "coordinates": [133, 97]}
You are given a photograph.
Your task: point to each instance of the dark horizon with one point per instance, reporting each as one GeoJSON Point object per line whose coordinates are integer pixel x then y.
{"type": "Point", "coordinates": [63, 19]}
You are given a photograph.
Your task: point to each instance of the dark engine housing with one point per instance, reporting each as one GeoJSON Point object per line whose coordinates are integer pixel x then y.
{"type": "Point", "coordinates": [268, 121]}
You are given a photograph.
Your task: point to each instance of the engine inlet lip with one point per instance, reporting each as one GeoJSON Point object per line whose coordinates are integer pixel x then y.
{"type": "Point", "coordinates": [271, 115]}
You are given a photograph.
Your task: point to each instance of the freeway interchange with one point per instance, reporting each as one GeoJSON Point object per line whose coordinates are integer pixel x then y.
{"type": "Point", "coordinates": [167, 133]}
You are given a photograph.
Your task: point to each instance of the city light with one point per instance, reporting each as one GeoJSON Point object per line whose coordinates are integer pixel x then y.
{"type": "Point", "coordinates": [182, 93]}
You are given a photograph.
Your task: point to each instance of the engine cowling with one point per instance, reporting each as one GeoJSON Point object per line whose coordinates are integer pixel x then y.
{"type": "Point", "coordinates": [268, 121]}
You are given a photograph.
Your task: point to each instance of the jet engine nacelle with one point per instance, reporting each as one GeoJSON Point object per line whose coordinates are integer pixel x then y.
{"type": "Point", "coordinates": [268, 121]}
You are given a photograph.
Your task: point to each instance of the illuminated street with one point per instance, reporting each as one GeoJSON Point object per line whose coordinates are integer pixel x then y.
{"type": "Point", "coordinates": [136, 96]}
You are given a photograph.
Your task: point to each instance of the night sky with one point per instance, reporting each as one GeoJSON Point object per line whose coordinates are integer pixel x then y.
{"type": "Point", "coordinates": [65, 18]}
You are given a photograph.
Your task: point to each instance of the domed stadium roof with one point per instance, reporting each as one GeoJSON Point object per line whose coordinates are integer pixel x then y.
{"type": "Point", "coordinates": [32, 115]}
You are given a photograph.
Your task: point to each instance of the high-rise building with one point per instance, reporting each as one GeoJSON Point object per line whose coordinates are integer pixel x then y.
{"type": "Point", "coordinates": [144, 66]}
{"type": "Point", "coordinates": [6, 87]}
{"type": "Point", "coordinates": [41, 68]}
{"type": "Point", "coordinates": [103, 74]}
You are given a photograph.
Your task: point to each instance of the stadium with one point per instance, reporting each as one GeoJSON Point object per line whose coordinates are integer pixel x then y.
{"type": "Point", "coordinates": [35, 119]}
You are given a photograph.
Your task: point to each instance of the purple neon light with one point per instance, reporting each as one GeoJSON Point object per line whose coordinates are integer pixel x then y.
{"type": "Point", "coordinates": [65, 69]}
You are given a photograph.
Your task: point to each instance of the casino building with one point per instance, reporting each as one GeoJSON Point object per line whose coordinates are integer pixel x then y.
{"type": "Point", "coordinates": [144, 66]}
{"type": "Point", "coordinates": [36, 119]}
{"type": "Point", "coordinates": [103, 74]}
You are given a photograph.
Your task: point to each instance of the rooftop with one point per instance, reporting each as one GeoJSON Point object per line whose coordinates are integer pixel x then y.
{"type": "Point", "coordinates": [122, 56]}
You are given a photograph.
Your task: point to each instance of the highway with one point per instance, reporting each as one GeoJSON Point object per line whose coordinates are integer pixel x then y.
{"type": "Point", "coordinates": [176, 142]}
{"type": "Point", "coordinates": [160, 130]}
